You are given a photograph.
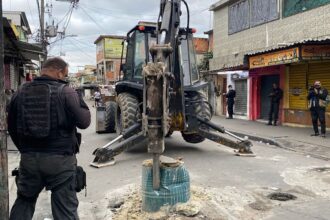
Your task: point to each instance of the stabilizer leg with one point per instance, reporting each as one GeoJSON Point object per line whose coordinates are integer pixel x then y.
{"type": "Point", "coordinates": [104, 156]}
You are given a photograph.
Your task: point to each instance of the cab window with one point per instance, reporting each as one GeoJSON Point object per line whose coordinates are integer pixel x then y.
{"type": "Point", "coordinates": [139, 54]}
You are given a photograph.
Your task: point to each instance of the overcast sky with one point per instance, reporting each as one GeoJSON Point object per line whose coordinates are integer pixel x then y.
{"type": "Point", "coordinates": [95, 17]}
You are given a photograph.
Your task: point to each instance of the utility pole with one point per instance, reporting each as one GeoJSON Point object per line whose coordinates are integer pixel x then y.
{"type": "Point", "coordinates": [42, 29]}
{"type": "Point", "coordinates": [4, 193]}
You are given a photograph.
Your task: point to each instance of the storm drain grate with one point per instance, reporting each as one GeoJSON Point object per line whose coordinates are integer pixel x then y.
{"type": "Point", "coordinates": [281, 196]}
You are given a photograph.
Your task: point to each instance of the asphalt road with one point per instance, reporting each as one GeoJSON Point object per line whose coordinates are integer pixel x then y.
{"type": "Point", "coordinates": [241, 184]}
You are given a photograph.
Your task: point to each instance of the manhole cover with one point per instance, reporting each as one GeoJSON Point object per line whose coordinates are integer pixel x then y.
{"type": "Point", "coordinates": [281, 196]}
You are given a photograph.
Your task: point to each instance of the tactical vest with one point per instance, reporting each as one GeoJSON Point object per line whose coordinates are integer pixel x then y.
{"type": "Point", "coordinates": [41, 116]}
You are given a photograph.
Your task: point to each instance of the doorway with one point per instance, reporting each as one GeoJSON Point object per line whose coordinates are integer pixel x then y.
{"type": "Point", "coordinates": [266, 88]}
{"type": "Point", "coordinates": [241, 97]}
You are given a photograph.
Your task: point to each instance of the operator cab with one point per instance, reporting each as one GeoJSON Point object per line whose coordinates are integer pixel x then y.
{"type": "Point", "coordinates": [139, 41]}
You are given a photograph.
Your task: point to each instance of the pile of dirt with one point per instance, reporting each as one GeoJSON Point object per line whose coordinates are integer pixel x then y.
{"type": "Point", "coordinates": [132, 208]}
{"type": "Point", "coordinates": [227, 203]}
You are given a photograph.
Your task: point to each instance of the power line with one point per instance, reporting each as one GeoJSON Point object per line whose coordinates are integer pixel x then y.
{"type": "Point", "coordinates": [31, 14]}
{"type": "Point", "coordinates": [82, 51]}
{"type": "Point", "coordinates": [97, 24]}
{"type": "Point", "coordinates": [111, 10]}
{"type": "Point", "coordinates": [151, 17]}
{"type": "Point", "coordinates": [65, 16]}
{"type": "Point", "coordinates": [39, 12]}
{"type": "Point", "coordinates": [68, 20]}
{"type": "Point", "coordinates": [81, 42]}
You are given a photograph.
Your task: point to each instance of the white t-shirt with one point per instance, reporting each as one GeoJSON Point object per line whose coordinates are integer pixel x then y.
{"type": "Point", "coordinates": [97, 95]}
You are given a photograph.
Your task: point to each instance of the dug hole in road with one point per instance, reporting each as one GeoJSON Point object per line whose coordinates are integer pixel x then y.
{"type": "Point", "coordinates": [223, 186]}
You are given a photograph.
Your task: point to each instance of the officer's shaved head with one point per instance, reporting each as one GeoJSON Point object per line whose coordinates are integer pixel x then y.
{"type": "Point", "coordinates": [55, 67]}
{"type": "Point", "coordinates": [55, 63]}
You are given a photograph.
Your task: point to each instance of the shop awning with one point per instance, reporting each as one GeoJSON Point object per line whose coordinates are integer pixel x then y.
{"type": "Point", "coordinates": [308, 49]}
{"type": "Point", "coordinates": [29, 51]}
{"type": "Point", "coordinates": [284, 45]}
{"type": "Point", "coordinates": [20, 49]}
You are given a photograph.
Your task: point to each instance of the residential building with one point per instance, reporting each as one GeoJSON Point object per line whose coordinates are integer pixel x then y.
{"type": "Point", "coordinates": [201, 48]}
{"type": "Point", "coordinates": [88, 75]}
{"type": "Point", "coordinates": [109, 51]}
{"type": "Point", "coordinates": [19, 24]}
{"type": "Point", "coordinates": [276, 41]}
{"type": "Point", "coordinates": [18, 66]}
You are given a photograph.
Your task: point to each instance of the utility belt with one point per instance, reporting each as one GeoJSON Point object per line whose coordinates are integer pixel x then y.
{"type": "Point", "coordinates": [79, 177]}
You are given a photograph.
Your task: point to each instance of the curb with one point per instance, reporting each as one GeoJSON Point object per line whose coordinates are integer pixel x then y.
{"type": "Point", "coordinates": [259, 139]}
{"type": "Point", "coordinates": [278, 144]}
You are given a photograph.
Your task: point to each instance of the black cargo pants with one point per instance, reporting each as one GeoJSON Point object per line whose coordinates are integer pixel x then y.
{"type": "Point", "coordinates": [56, 173]}
{"type": "Point", "coordinates": [274, 109]}
{"type": "Point", "coordinates": [318, 114]}
{"type": "Point", "coordinates": [230, 108]}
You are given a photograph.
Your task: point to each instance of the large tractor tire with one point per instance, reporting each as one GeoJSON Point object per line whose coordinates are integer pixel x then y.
{"type": "Point", "coordinates": [110, 115]}
{"type": "Point", "coordinates": [128, 111]}
{"type": "Point", "coordinates": [201, 108]}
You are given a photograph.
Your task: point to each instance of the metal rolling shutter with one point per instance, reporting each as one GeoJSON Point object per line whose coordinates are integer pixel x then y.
{"type": "Point", "coordinates": [241, 97]}
{"type": "Point", "coordinates": [321, 72]}
{"type": "Point", "coordinates": [297, 82]}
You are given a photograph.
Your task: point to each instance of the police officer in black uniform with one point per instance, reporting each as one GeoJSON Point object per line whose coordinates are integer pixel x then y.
{"type": "Point", "coordinates": [43, 117]}
{"type": "Point", "coordinates": [275, 99]}
{"type": "Point", "coordinates": [230, 95]}
{"type": "Point", "coordinates": [317, 103]}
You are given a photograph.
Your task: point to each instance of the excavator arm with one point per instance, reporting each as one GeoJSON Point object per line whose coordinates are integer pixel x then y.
{"type": "Point", "coordinates": [158, 76]}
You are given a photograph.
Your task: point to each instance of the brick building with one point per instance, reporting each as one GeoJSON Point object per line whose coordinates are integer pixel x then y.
{"type": "Point", "coordinates": [201, 48]}
{"type": "Point", "coordinates": [108, 58]}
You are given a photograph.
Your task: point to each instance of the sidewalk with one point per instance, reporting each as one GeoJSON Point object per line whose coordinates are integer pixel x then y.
{"type": "Point", "coordinates": [295, 139]}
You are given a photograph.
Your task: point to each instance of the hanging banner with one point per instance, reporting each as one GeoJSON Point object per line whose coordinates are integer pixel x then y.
{"type": "Point", "coordinates": [274, 58]}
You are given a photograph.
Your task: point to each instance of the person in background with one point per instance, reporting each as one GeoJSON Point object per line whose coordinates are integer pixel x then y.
{"type": "Point", "coordinates": [317, 97]}
{"type": "Point", "coordinates": [97, 97]}
{"type": "Point", "coordinates": [275, 99]}
{"type": "Point", "coordinates": [230, 95]}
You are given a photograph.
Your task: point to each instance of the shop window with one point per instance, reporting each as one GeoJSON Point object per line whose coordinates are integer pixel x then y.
{"type": "Point", "coordinates": [140, 54]}
{"type": "Point", "coordinates": [292, 7]}
{"type": "Point", "coordinates": [110, 66]}
{"type": "Point", "coordinates": [239, 17]}
{"type": "Point", "coordinates": [250, 13]}
{"type": "Point", "coordinates": [263, 11]}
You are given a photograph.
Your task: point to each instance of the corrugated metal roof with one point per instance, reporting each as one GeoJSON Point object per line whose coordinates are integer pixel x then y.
{"type": "Point", "coordinates": [318, 40]}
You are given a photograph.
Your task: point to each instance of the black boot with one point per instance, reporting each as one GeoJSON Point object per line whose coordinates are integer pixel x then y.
{"type": "Point", "coordinates": [275, 123]}
{"type": "Point", "coordinates": [269, 123]}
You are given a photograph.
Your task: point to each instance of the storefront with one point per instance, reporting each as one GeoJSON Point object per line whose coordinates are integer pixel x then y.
{"type": "Point", "coordinates": [295, 69]}
{"type": "Point", "coordinates": [266, 69]}
{"type": "Point", "coordinates": [220, 84]}
{"type": "Point", "coordinates": [314, 65]}
{"type": "Point", "coordinates": [239, 81]}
